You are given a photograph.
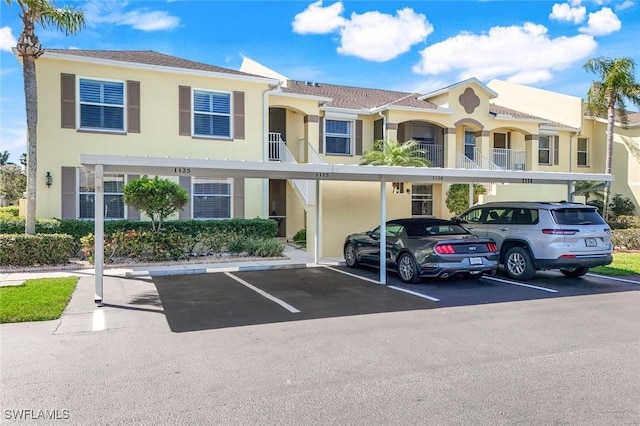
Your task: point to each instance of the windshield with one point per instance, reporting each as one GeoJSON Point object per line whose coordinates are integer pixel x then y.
{"type": "Point", "coordinates": [577, 216]}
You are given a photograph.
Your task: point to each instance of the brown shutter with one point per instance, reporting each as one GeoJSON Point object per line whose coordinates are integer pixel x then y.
{"type": "Point", "coordinates": [378, 130]}
{"type": "Point", "coordinates": [132, 212]}
{"type": "Point", "coordinates": [184, 101]}
{"type": "Point", "coordinates": [556, 150]}
{"type": "Point", "coordinates": [238, 198]}
{"type": "Point", "coordinates": [185, 182]}
{"type": "Point", "coordinates": [68, 180]}
{"type": "Point", "coordinates": [401, 133]}
{"type": "Point", "coordinates": [321, 133]}
{"type": "Point", "coordinates": [238, 115]}
{"type": "Point", "coordinates": [358, 137]}
{"type": "Point", "coordinates": [133, 106]}
{"type": "Point", "coordinates": [68, 101]}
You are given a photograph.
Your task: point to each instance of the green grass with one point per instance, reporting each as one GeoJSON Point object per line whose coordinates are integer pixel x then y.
{"type": "Point", "coordinates": [623, 264]}
{"type": "Point", "coordinates": [36, 300]}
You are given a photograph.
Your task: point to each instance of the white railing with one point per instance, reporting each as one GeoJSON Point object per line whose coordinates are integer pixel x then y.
{"type": "Point", "coordinates": [509, 159]}
{"type": "Point", "coordinates": [464, 162]}
{"type": "Point", "coordinates": [314, 157]}
{"type": "Point", "coordinates": [433, 153]}
{"type": "Point", "coordinates": [278, 149]}
{"type": "Point", "coordinates": [478, 161]}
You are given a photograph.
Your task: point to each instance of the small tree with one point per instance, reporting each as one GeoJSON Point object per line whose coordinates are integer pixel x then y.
{"type": "Point", "coordinates": [621, 205]}
{"type": "Point", "coordinates": [393, 153]}
{"type": "Point", "coordinates": [157, 198]}
{"type": "Point", "coordinates": [458, 196]}
{"type": "Point", "coordinates": [13, 182]}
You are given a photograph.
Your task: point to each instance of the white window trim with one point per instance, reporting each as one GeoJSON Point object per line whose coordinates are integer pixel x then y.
{"type": "Point", "coordinates": [194, 195]}
{"type": "Point", "coordinates": [78, 193]}
{"type": "Point", "coordinates": [124, 105]}
{"type": "Point", "coordinates": [578, 152]}
{"type": "Point", "coordinates": [554, 140]}
{"type": "Point", "coordinates": [352, 128]}
{"type": "Point", "coordinates": [193, 114]}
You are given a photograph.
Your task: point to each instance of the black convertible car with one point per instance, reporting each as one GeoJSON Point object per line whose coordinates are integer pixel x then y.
{"type": "Point", "coordinates": [422, 247]}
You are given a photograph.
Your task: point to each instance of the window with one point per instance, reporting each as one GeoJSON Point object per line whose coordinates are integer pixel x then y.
{"type": "Point", "coordinates": [470, 145]}
{"type": "Point", "coordinates": [101, 104]}
{"type": "Point", "coordinates": [548, 150]}
{"type": "Point", "coordinates": [337, 137]}
{"type": "Point", "coordinates": [211, 114]}
{"type": "Point", "coordinates": [113, 196]}
{"type": "Point", "coordinates": [422, 200]}
{"type": "Point", "coordinates": [583, 152]}
{"type": "Point", "coordinates": [211, 198]}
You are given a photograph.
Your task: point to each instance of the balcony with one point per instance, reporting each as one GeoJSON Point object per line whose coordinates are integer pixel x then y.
{"type": "Point", "coordinates": [509, 159]}
{"type": "Point", "coordinates": [433, 153]}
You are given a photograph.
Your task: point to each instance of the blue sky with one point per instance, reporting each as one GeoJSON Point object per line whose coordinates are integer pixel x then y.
{"type": "Point", "coordinates": [400, 45]}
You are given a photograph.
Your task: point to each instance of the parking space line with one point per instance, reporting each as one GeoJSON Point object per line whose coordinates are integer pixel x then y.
{"type": "Point", "coordinates": [614, 278]}
{"type": "Point", "coordinates": [520, 284]}
{"type": "Point", "coordinates": [415, 293]}
{"type": "Point", "coordinates": [353, 275]}
{"type": "Point", "coordinates": [98, 320]}
{"type": "Point", "coordinates": [263, 293]}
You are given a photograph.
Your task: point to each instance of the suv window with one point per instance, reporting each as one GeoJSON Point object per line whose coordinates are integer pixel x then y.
{"type": "Point", "coordinates": [577, 217]}
{"type": "Point", "coordinates": [519, 216]}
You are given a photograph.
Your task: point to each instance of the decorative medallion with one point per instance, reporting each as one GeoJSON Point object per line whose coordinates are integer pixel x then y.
{"type": "Point", "coordinates": [469, 100]}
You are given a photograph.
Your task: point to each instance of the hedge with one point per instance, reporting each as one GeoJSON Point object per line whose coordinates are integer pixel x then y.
{"type": "Point", "coordinates": [35, 250]}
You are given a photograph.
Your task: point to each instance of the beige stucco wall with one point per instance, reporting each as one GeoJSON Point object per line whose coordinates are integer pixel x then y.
{"type": "Point", "coordinates": [159, 137]}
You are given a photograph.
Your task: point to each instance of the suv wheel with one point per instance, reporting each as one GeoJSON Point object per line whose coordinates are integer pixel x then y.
{"type": "Point", "coordinates": [350, 256]}
{"type": "Point", "coordinates": [518, 264]}
{"type": "Point", "coordinates": [574, 272]}
{"type": "Point", "coordinates": [407, 269]}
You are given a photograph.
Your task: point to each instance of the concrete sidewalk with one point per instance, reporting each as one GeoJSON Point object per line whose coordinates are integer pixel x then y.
{"type": "Point", "coordinates": [293, 258]}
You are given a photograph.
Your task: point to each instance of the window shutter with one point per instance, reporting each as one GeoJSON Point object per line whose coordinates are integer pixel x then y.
{"type": "Point", "coordinates": [68, 180]}
{"type": "Point", "coordinates": [68, 101]}
{"type": "Point", "coordinates": [185, 182]}
{"type": "Point", "coordinates": [238, 198]}
{"type": "Point", "coordinates": [238, 115]}
{"type": "Point", "coordinates": [321, 133]}
{"type": "Point", "coordinates": [556, 150]}
{"type": "Point", "coordinates": [377, 130]}
{"type": "Point", "coordinates": [184, 95]}
{"type": "Point", "coordinates": [358, 137]}
{"type": "Point", "coordinates": [132, 212]}
{"type": "Point", "coordinates": [133, 106]}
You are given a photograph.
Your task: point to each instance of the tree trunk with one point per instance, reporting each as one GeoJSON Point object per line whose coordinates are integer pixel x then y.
{"type": "Point", "coordinates": [31, 103]}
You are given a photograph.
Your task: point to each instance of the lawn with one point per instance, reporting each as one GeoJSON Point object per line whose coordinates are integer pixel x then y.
{"type": "Point", "coordinates": [36, 300]}
{"type": "Point", "coordinates": [623, 264]}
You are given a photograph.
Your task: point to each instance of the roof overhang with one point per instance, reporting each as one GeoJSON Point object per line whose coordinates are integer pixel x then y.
{"type": "Point", "coordinates": [165, 166]}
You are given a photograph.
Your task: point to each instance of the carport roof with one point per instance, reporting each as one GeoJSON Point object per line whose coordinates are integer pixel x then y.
{"type": "Point", "coordinates": [166, 166]}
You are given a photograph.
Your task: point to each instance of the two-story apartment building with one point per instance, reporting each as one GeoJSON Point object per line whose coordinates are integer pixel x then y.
{"type": "Point", "coordinates": [143, 103]}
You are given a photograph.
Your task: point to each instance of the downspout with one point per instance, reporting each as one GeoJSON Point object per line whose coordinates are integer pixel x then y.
{"type": "Point", "coordinates": [265, 143]}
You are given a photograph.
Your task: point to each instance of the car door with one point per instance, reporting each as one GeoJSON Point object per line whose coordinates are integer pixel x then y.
{"type": "Point", "coordinates": [474, 221]}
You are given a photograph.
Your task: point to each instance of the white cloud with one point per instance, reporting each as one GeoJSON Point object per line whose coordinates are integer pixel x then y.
{"type": "Point", "coordinates": [316, 19]}
{"type": "Point", "coordinates": [523, 54]}
{"type": "Point", "coordinates": [114, 12]}
{"type": "Point", "coordinates": [7, 40]}
{"type": "Point", "coordinates": [602, 22]}
{"type": "Point", "coordinates": [373, 36]}
{"type": "Point", "coordinates": [380, 37]}
{"type": "Point", "coordinates": [569, 13]}
{"type": "Point", "coordinates": [625, 5]}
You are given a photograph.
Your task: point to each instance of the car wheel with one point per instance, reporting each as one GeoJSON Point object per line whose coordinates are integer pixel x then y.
{"type": "Point", "coordinates": [407, 269]}
{"type": "Point", "coordinates": [574, 272]}
{"type": "Point", "coordinates": [350, 256]}
{"type": "Point", "coordinates": [518, 264]}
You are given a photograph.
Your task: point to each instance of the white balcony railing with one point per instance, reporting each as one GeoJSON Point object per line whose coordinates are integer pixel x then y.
{"type": "Point", "coordinates": [509, 159]}
{"type": "Point", "coordinates": [278, 149]}
{"type": "Point", "coordinates": [433, 153]}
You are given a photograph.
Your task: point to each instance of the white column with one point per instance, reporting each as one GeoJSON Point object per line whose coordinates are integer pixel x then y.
{"type": "Point", "coordinates": [570, 189]}
{"type": "Point", "coordinates": [98, 251]}
{"type": "Point", "coordinates": [316, 242]}
{"type": "Point", "coordinates": [383, 231]}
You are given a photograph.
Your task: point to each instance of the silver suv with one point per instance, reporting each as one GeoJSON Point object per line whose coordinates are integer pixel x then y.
{"type": "Point", "coordinates": [537, 235]}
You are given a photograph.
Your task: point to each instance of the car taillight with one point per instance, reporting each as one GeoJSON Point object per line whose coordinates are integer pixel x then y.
{"type": "Point", "coordinates": [560, 231]}
{"type": "Point", "coordinates": [445, 249]}
{"type": "Point", "coordinates": [492, 247]}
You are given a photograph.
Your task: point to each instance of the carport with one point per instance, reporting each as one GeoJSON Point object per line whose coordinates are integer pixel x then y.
{"type": "Point", "coordinates": [164, 166]}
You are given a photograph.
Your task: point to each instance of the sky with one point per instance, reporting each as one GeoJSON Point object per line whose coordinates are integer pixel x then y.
{"type": "Point", "coordinates": [412, 46]}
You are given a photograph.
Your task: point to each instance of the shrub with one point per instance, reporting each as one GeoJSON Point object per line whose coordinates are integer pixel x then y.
{"type": "Point", "coordinates": [621, 205]}
{"type": "Point", "coordinates": [10, 211]}
{"type": "Point", "coordinates": [625, 239]}
{"type": "Point", "coordinates": [34, 250]}
{"type": "Point", "coordinates": [157, 197]}
{"type": "Point", "coordinates": [300, 237]}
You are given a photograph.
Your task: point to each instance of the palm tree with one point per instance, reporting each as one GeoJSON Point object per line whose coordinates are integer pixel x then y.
{"type": "Point", "coordinates": [590, 189]}
{"type": "Point", "coordinates": [4, 158]}
{"type": "Point", "coordinates": [608, 95]}
{"type": "Point", "coordinates": [45, 13]}
{"type": "Point", "coordinates": [393, 153]}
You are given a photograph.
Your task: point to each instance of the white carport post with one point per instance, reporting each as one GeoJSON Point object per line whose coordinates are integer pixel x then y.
{"type": "Point", "coordinates": [98, 250]}
{"type": "Point", "coordinates": [570, 189]}
{"type": "Point", "coordinates": [383, 231]}
{"type": "Point", "coordinates": [316, 243]}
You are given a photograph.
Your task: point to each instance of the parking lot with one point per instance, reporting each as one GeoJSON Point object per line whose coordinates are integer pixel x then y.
{"type": "Point", "coordinates": [230, 299]}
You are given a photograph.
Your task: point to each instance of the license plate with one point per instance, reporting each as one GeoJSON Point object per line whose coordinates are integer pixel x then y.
{"type": "Point", "coordinates": [591, 242]}
{"type": "Point", "coordinates": [475, 260]}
